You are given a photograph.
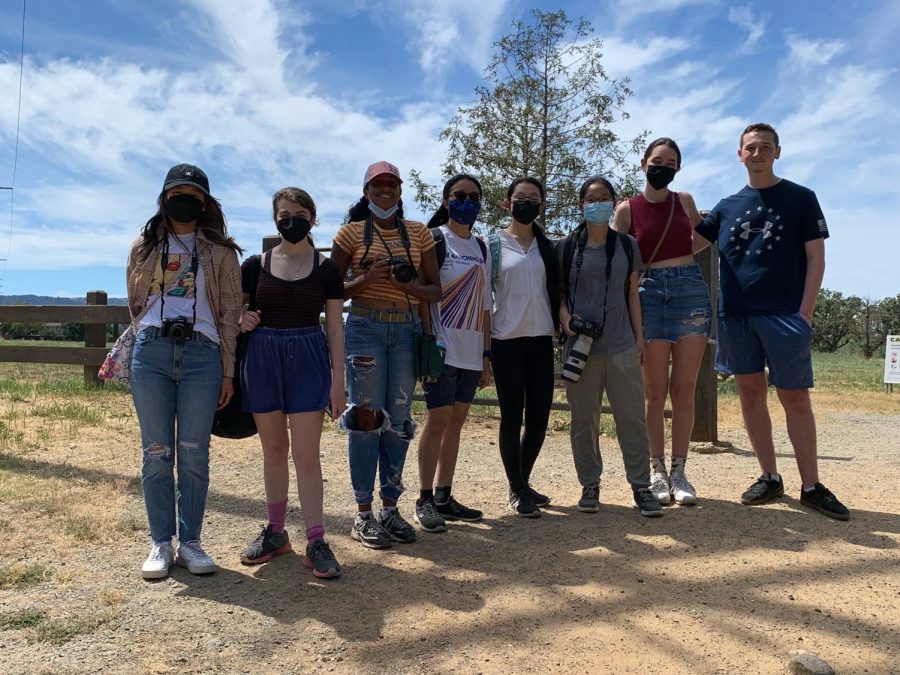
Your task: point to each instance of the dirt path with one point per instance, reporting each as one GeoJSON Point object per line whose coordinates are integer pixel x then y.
{"type": "Point", "coordinates": [718, 588]}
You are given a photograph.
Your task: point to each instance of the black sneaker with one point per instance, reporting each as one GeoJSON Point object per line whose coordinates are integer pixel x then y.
{"type": "Point", "coordinates": [646, 503]}
{"type": "Point", "coordinates": [590, 499]}
{"type": "Point", "coordinates": [428, 518]}
{"type": "Point", "coordinates": [522, 503]}
{"type": "Point", "coordinates": [822, 500]}
{"type": "Point", "coordinates": [369, 532]}
{"type": "Point", "coordinates": [321, 560]}
{"type": "Point", "coordinates": [764, 490]}
{"type": "Point", "coordinates": [397, 528]}
{"type": "Point", "coordinates": [539, 499]}
{"type": "Point", "coordinates": [453, 510]}
{"type": "Point", "coordinates": [266, 546]}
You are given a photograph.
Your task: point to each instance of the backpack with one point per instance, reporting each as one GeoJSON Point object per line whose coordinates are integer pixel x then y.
{"type": "Point", "coordinates": [440, 246]}
{"type": "Point", "coordinates": [579, 238]}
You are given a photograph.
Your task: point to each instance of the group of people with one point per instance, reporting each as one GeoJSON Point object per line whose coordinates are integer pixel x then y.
{"type": "Point", "coordinates": [621, 293]}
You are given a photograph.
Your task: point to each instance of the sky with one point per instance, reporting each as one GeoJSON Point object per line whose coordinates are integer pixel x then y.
{"type": "Point", "coordinates": [262, 94]}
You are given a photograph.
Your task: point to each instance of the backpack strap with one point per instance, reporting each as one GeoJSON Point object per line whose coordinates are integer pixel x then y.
{"type": "Point", "coordinates": [255, 269]}
{"type": "Point", "coordinates": [483, 247]}
{"type": "Point", "coordinates": [440, 245]}
{"type": "Point", "coordinates": [494, 245]}
{"type": "Point", "coordinates": [569, 245]}
{"type": "Point", "coordinates": [629, 254]}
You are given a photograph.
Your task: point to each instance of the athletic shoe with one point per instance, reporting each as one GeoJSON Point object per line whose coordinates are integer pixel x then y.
{"type": "Point", "coordinates": [157, 564]}
{"type": "Point", "coordinates": [523, 503]}
{"type": "Point", "coordinates": [539, 499]}
{"type": "Point", "coordinates": [321, 560]}
{"type": "Point", "coordinates": [453, 510]}
{"type": "Point", "coordinates": [590, 499]}
{"type": "Point", "coordinates": [192, 556]}
{"type": "Point", "coordinates": [397, 528]}
{"type": "Point", "coordinates": [822, 500]}
{"type": "Point", "coordinates": [266, 546]}
{"type": "Point", "coordinates": [660, 487]}
{"type": "Point", "coordinates": [682, 490]}
{"type": "Point", "coordinates": [369, 532]}
{"type": "Point", "coordinates": [647, 503]}
{"type": "Point", "coordinates": [764, 490]}
{"type": "Point", "coordinates": [428, 518]}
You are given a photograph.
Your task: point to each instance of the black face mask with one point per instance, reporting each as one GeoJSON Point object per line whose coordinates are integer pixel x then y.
{"type": "Point", "coordinates": [183, 208]}
{"type": "Point", "coordinates": [525, 212]}
{"type": "Point", "coordinates": [293, 229]}
{"type": "Point", "coordinates": [660, 176]}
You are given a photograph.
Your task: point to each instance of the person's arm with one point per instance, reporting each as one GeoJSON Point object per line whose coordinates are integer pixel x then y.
{"type": "Point", "coordinates": [485, 379]}
{"type": "Point", "coordinates": [690, 208]}
{"type": "Point", "coordinates": [621, 221]}
{"type": "Point", "coordinates": [430, 290]}
{"type": "Point", "coordinates": [334, 332]}
{"type": "Point", "coordinates": [378, 272]}
{"type": "Point", "coordinates": [705, 230]}
{"type": "Point", "coordinates": [634, 313]}
{"type": "Point", "coordinates": [231, 299]}
{"type": "Point", "coordinates": [815, 271]}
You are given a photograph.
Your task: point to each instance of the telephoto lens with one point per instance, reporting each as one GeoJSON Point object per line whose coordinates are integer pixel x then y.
{"type": "Point", "coordinates": [578, 354]}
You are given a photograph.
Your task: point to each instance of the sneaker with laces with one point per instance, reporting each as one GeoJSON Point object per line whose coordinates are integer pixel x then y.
{"type": "Point", "coordinates": [158, 562]}
{"type": "Point", "coordinates": [428, 518]}
{"type": "Point", "coordinates": [453, 510]}
{"type": "Point", "coordinates": [765, 489]}
{"type": "Point", "coordinates": [646, 502]}
{"type": "Point", "coordinates": [321, 560]}
{"type": "Point", "coordinates": [266, 546]}
{"type": "Point", "coordinates": [682, 491]}
{"type": "Point", "coordinates": [192, 556]}
{"type": "Point", "coordinates": [397, 528]}
{"type": "Point", "coordinates": [369, 532]}
{"type": "Point", "coordinates": [523, 503]}
{"type": "Point", "coordinates": [822, 500]}
{"type": "Point", "coordinates": [539, 499]}
{"type": "Point", "coordinates": [660, 487]}
{"type": "Point", "coordinates": [590, 499]}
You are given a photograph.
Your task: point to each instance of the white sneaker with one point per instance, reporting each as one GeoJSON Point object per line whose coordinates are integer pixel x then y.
{"type": "Point", "coordinates": [682, 490]}
{"type": "Point", "coordinates": [659, 486]}
{"type": "Point", "coordinates": [157, 564]}
{"type": "Point", "coordinates": [192, 556]}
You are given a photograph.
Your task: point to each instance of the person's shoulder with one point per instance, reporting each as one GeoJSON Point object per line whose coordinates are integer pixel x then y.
{"type": "Point", "coordinates": [328, 265]}
{"type": "Point", "coordinates": [795, 188]}
{"type": "Point", "coordinates": [416, 227]}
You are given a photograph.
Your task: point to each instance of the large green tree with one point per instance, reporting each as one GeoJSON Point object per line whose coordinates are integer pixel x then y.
{"type": "Point", "coordinates": [546, 110]}
{"type": "Point", "coordinates": [835, 320]}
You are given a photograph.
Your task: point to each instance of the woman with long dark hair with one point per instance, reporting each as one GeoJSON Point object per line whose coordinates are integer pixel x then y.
{"type": "Point", "coordinates": [525, 280]}
{"type": "Point", "coordinates": [393, 268]}
{"type": "Point", "coordinates": [185, 283]}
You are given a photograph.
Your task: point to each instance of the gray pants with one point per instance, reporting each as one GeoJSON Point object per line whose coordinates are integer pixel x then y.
{"type": "Point", "coordinates": [620, 375]}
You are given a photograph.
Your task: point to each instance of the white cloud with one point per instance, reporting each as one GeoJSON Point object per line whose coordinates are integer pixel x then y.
{"type": "Point", "coordinates": [626, 11]}
{"type": "Point", "coordinates": [805, 52]}
{"type": "Point", "coordinates": [754, 25]}
{"type": "Point", "coordinates": [626, 58]}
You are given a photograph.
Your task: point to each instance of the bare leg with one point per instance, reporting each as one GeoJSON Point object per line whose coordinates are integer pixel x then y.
{"type": "Point", "coordinates": [687, 354]}
{"type": "Point", "coordinates": [430, 440]}
{"type": "Point", "coordinates": [450, 445]}
{"type": "Point", "coordinates": [306, 433]}
{"type": "Point", "coordinates": [753, 391]}
{"type": "Point", "coordinates": [656, 387]}
{"type": "Point", "coordinates": [273, 436]}
{"type": "Point", "coordinates": [801, 426]}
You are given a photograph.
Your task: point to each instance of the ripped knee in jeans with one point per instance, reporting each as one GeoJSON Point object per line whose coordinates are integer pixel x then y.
{"type": "Point", "coordinates": [361, 365]}
{"type": "Point", "coordinates": [360, 418]}
{"type": "Point", "coordinates": [157, 451]}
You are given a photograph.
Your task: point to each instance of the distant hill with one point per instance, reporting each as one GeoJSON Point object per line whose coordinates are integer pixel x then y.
{"type": "Point", "coordinates": [47, 300]}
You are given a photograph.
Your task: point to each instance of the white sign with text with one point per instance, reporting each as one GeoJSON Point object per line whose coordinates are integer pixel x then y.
{"type": "Point", "coordinates": [892, 360]}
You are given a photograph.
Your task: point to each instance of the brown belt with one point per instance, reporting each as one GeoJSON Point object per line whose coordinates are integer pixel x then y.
{"type": "Point", "coordinates": [384, 315]}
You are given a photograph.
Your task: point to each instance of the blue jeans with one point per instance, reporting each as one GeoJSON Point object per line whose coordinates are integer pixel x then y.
{"type": "Point", "coordinates": [175, 382]}
{"type": "Point", "coordinates": [380, 377]}
{"type": "Point", "coordinates": [675, 303]}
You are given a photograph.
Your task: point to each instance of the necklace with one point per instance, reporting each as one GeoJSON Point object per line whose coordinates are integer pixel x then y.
{"type": "Point", "coordinates": [295, 266]}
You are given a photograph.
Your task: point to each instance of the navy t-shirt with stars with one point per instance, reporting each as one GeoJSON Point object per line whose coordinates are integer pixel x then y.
{"type": "Point", "coordinates": [761, 236]}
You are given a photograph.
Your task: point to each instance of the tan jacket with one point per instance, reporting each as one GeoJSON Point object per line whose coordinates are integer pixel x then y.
{"type": "Point", "coordinates": [222, 275]}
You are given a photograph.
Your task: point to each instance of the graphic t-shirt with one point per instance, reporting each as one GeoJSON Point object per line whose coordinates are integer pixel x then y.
{"type": "Point", "coordinates": [459, 316]}
{"type": "Point", "coordinates": [183, 287]}
{"type": "Point", "coordinates": [761, 235]}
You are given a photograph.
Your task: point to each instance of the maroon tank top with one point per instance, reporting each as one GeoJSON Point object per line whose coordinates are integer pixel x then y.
{"type": "Point", "coordinates": [648, 220]}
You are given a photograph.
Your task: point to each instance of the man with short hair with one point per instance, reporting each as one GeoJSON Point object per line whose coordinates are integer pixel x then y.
{"type": "Point", "coordinates": [771, 239]}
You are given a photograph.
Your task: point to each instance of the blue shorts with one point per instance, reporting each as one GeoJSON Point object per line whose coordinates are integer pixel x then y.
{"type": "Point", "coordinates": [287, 370]}
{"type": "Point", "coordinates": [455, 385]}
{"type": "Point", "coordinates": [780, 341]}
{"type": "Point", "coordinates": [675, 303]}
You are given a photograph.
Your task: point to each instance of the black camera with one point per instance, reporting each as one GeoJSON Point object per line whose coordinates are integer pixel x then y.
{"type": "Point", "coordinates": [401, 269]}
{"type": "Point", "coordinates": [585, 327]}
{"type": "Point", "coordinates": [179, 329]}
{"type": "Point", "coordinates": [587, 332]}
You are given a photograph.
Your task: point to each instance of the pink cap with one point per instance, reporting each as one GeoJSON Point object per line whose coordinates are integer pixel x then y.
{"type": "Point", "coordinates": [379, 169]}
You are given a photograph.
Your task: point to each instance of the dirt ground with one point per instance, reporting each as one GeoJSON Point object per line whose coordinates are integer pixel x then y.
{"type": "Point", "coordinates": [716, 588]}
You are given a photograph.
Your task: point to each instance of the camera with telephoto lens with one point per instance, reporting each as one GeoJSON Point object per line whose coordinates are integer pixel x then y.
{"type": "Point", "coordinates": [586, 331]}
{"type": "Point", "coordinates": [179, 329]}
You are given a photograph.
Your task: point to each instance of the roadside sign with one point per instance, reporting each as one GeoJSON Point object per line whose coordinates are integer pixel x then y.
{"type": "Point", "coordinates": [892, 360]}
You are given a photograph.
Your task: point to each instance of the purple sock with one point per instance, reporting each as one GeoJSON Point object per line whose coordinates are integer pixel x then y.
{"type": "Point", "coordinates": [315, 533]}
{"type": "Point", "coordinates": [277, 515]}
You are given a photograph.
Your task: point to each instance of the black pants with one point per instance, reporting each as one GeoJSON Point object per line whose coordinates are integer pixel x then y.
{"type": "Point", "coordinates": [523, 373]}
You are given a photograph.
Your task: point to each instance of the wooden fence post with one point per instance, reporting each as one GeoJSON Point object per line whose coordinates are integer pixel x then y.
{"type": "Point", "coordinates": [270, 241]}
{"type": "Point", "coordinates": [94, 336]}
{"type": "Point", "coordinates": [706, 422]}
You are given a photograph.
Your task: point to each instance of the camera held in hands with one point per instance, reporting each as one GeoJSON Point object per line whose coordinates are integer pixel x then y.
{"type": "Point", "coordinates": [403, 272]}
{"type": "Point", "coordinates": [586, 331]}
{"type": "Point", "coordinates": [180, 329]}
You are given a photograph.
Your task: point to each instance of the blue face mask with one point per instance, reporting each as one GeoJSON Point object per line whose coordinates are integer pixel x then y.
{"type": "Point", "coordinates": [463, 212]}
{"type": "Point", "coordinates": [598, 213]}
{"type": "Point", "coordinates": [380, 213]}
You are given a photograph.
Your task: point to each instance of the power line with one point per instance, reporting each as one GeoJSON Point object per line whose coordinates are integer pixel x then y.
{"type": "Point", "coordinates": [12, 187]}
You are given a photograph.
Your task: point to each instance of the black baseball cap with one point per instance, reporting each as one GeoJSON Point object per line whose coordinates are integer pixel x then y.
{"type": "Point", "coordinates": [187, 174]}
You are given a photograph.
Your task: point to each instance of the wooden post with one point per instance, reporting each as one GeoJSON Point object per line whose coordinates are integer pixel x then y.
{"type": "Point", "coordinates": [706, 422]}
{"type": "Point", "coordinates": [94, 336]}
{"type": "Point", "coordinates": [270, 241]}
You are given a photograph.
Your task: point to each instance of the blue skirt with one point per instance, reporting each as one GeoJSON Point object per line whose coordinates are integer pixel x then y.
{"type": "Point", "coordinates": [287, 370]}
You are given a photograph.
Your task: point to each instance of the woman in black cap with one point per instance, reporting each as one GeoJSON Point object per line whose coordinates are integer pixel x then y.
{"type": "Point", "coordinates": [184, 287]}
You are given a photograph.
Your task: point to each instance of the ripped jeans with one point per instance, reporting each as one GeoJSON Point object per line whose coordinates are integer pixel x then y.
{"type": "Point", "coordinates": [380, 376]}
{"type": "Point", "coordinates": [175, 383]}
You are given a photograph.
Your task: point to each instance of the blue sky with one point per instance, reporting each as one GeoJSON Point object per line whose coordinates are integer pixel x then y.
{"type": "Point", "coordinates": [268, 93]}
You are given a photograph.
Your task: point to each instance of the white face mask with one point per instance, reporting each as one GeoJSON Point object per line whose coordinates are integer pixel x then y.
{"type": "Point", "coordinates": [382, 214]}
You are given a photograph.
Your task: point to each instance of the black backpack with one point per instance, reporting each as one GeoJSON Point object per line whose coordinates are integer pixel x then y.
{"type": "Point", "coordinates": [579, 238]}
{"type": "Point", "coordinates": [440, 246]}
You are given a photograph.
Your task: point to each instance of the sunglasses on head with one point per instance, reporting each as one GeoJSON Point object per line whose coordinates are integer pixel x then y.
{"type": "Point", "coordinates": [461, 196]}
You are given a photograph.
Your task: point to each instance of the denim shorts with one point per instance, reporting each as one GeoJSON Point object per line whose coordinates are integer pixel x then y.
{"type": "Point", "coordinates": [780, 341]}
{"type": "Point", "coordinates": [287, 370]}
{"type": "Point", "coordinates": [455, 385]}
{"type": "Point", "coordinates": [675, 303]}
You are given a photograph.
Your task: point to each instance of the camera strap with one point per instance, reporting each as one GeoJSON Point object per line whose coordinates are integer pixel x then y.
{"type": "Point", "coordinates": [370, 228]}
{"type": "Point", "coordinates": [164, 264]}
{"type": "Point", "coordinates": [581, 236]}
